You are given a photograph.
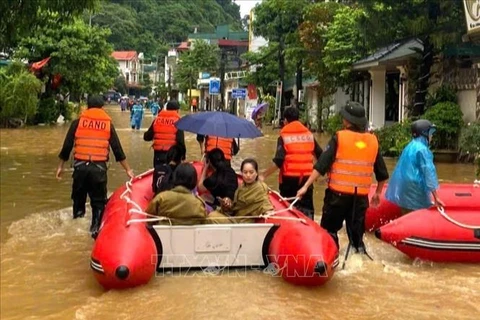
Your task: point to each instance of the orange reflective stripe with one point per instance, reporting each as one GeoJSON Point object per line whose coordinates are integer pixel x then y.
{"type": "Point", "coordinates": [353, 166]}
{"type": "Point", "coordinates": [353, 173]}
{"type": "Point", "coordinates": [360, 163]}
{"type": "Point", "coordinates": [164, 130]}
{"type": "Point", "coordinates": [92, 136]}
{"type": "Point", "coordinates": [299, 145]}
{"type": "Point", "coordinates": [350, 184]}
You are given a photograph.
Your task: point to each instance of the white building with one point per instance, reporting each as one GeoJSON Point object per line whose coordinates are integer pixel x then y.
{"type": "Point", "coordinates": [129, 65]}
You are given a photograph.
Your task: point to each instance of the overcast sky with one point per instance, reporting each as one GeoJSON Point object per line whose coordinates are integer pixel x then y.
{"type": "Point", "coordinates": [246, 6]}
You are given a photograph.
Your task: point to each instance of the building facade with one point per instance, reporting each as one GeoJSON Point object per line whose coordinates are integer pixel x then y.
{"type": "Point", "coordinates": [128, 65]}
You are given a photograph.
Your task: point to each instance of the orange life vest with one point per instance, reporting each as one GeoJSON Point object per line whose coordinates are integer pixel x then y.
{"type": "Point", "coordinates": [299, 145]}
{"type": "Point", "coordinates": [164, 130]}
{"type": "Point", "coordinates": [353, 165]}
{"type": "Point", "coordinates": [92, 136]}
{"type": "Point", "coordinates": [224, 144]}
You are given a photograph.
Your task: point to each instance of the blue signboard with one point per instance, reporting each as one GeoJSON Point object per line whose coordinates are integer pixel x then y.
{"type": "Point", "coordinates": [205, 75]}
{"type": "Point", "coordinates": [239, 93]}
{"type": "Point", "coordinates": [214, 87]}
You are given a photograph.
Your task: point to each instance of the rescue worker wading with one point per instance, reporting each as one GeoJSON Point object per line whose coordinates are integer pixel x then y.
{"type": "Point", "coordinates": [164, 135]}
{"type": "Point", "coordinates": [296, 150]}
{"type": "Point", "coordinates": [91, 136]}
{"type": "Point", "coordinates": [228, 146]}
{"type": "Point", "coordinates": [350, 159]}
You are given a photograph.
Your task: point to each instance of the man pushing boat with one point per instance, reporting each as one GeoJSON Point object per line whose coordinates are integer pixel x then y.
{"type": "Point", "coordinates": [350, 158]}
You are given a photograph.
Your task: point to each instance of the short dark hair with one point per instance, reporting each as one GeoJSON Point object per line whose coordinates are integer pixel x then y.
{"type": "Point", "coordinates": [95, 101]}
{"type": "Point", "coordinates": [172, 105]}
{"type": "Point", "coordinates": [176, 153]}
{"type": "Point", "coordinates": [185, 175]}
{"type": "Point", "coordinates": [216, 158]}
{"type": "Point", "coordinates": [291, 114]}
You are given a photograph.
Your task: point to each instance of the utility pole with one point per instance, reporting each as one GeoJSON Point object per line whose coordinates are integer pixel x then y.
{"type": "Point", "coordinates": [281, 67]}
{"type": "Point", "coordinates": [169, 82]}
{"type": "Point", "coordinates": [190, 88]}
{"type": "Point", "coordinates": [222, 77]}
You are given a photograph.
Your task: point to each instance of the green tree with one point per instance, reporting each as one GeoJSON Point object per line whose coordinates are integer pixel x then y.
{"type": "Point", "coordinates": [278, 21]}
{"type": "Point", "coordinates": [437, 23]}
{"type": "Point", "coordinates": [146, 25]}
{"type": "Point", "coordinates": [18, 17]}
{"type": "Point", "coordinates": [345, 43]}
{"type": "Point", "coordinates": [19, 91]}
{"type": "Point", "coordinates": [120, 84]}
{"type": "Point", "coordinates": [79, 53]}
{"type": "Point", "coordinates": [203, 57]}
{"type": "Point", "coordinates": [265, 71]}
{"type": "Point", "coordinates": [317, 20]}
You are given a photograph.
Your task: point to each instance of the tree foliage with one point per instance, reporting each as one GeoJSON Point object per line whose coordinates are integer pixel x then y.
{"type": "Point", "coordinates": [265, 71]}
{"type": "Point", "coordinates": [437, 23]}
{"type": "Point", "coordinates": [203, 57]}
{"type": "Point", "coordinates": [345, 43]}
{"type": "Point", "coordinates": [317, 20]}
{"type": "Point", "coordinates": [150, 25]}
{"type": "Point", "coordinates": [19, 17]}
{"type": "Point", "coordinates": [276, 19]}
{"type": "Point", "coordinates": [19, 91]}
{"type": "Point", "coordinates": [79, 53]}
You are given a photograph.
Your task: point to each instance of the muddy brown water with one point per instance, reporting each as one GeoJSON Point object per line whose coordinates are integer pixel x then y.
{"type": "Point", "coordinates": [45, 255]}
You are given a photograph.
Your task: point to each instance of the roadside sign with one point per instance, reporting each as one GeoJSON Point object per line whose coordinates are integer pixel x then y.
{"type": "Point", "coordinates": [239, 93]}
{"type": "Point", "coordinates": [214, 87]}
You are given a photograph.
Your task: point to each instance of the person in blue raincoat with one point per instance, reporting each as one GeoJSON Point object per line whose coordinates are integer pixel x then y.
{"type": "Point", "coordinates": [154, 108]}
{"type": "Point", "coordinates": [414, 181]}
{"type": "Point", "coordinates": [136, 115]}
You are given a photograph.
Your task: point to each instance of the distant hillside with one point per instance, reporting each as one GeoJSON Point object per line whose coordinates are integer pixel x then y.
{"type": "Point", "coordinates": [150, 26]}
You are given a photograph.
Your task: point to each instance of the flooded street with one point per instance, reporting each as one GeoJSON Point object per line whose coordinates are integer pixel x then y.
{"type": "Point", "coordinates": [45, 255]}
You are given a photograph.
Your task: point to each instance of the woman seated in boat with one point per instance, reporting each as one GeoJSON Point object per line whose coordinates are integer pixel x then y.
{"type": "Point", "coordinates": [222, 183]}
{"type": "Point", "coordinates": [179, 204]}
{"type": "Point", "coordinates": [250, 200]}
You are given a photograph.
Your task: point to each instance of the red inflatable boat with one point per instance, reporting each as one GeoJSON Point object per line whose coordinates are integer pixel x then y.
{"type": "Point", "coordinates": [451, 234]}
{"type": "Point", "coordinates": [128, 251]}
{"type": "Point", "coordinates": [456, 195]}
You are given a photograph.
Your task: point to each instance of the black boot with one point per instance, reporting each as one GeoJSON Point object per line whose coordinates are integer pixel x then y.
{"type": "Point", "coordinates": [335, 238]}
{"type": "Point", "coordinates": [78, 214]}
{"type": "Point", "coordinates": [96, 223]}
{"type": "Point", "coordinates": [362, 250]}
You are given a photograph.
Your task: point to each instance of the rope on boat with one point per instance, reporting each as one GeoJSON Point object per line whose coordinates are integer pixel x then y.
{"type": "Point", "coordinates": [153, 218]}
{"type": "Point", "coordinates": [462, 225]}
{"type": "Point", "coordinates": [161, 218]}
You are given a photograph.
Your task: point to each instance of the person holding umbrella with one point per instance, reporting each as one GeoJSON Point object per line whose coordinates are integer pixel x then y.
{"type": "Point", "coordinates": [164, 135]}
{"type": "Point", "coordinates": [350, 159]}
{"type": "Point", "coordinates": [296, 150]}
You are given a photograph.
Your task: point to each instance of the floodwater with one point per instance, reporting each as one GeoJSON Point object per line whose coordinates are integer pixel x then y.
{"type": "Point", "coordinates": [45, 255]}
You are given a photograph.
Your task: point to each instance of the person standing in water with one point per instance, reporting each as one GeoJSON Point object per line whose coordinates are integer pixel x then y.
{"type": "Point", "coordinates": [414, 181]}
{"type": "Point", "coordinates": [295, 155]}
{"type": "Point", "coordinates": [136, 116]}
{"type": "Point", "coordinates": [91, 136]}
{"type": "Point", "coordinates": [350, 159]}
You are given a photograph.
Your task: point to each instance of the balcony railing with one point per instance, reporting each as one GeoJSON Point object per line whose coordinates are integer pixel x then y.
{"type": "Point", "coordinates": [462, 79]}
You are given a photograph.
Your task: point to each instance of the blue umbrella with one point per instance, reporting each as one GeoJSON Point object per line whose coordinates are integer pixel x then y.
{"type": "Point", "coordinates": [219, 124]}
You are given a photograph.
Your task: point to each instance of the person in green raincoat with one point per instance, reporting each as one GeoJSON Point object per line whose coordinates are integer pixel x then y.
{"type": "Point", "coordinates": [179, 204]}
{"type": "Point", "coordinates": [250, 200]}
